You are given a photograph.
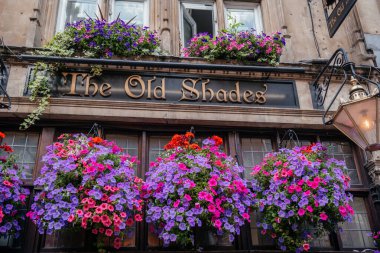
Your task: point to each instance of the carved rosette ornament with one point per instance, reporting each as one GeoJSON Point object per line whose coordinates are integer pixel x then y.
{"type": "Point", "coordinates": [373, 167]}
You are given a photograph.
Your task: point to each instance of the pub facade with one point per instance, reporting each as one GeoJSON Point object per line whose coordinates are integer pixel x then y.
{"type": "Point", "coordinates": [140, 102]}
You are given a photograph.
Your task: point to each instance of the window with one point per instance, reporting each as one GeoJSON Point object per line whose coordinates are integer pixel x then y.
{"type": "Point", "coordinates": [156, 146]}
{"type": "Point", "coordinates": [128, 144]}
{"type": "Point", "coordinates": [74, 10]}
{"type": "Point", "coordinates": [257, 238]}
{"type": "Point", "coordinates": [197, 18]}
{"type": "Point", "coordinates": [342, 150]}
{"type": "Point", "coordinates": [355, 234]}
{"type": "Point", "coordinates": [25, 148]}
{"type": "Point", "coordinates": [322, 242]}
{"type": "Point", "coordinates": [253, 151]}
{"type": "Point", "coordinates": [246, 13]}
{"type": "Point", "coordinates": [65, 239]}
{"type": "Point", "coordinates": [128, 9]}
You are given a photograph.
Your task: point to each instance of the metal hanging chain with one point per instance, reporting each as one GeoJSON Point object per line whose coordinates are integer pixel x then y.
{"type": "Point", "coordinates": [292, 137]}
{"type": "Point", "coordinates": [237, 150]}
{"type": "Point", "coordinates": [96, 130]}
{"type": "Point", "coordinates": [192, 130]}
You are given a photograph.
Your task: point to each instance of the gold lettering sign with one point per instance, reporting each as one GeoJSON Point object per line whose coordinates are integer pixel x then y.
{"type": "Point", "coordinates": [134, 81]}
{"type": "Point", "coordinates": [135, 87]}
{"type": "Point", "coordinates": [194, 93]}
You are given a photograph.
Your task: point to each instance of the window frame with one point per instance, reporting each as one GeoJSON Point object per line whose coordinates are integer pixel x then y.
{"type": "Point", "coordinates": [370, 214]}
{"type": "Point", "coordinates": [34, 172]}
{"type": "Point", "coordinates": [356, 156]}
{"type": "Point", "coordinates": [106, 7]}
{"type": "Point", "coordinates": [262, 137]}
{"type": "Point", "coordinates": [61, 16]}
{"type": "Point", "coordinates": [112, 15]}
{"type": "Point", "coordinates": [271, 135]}
{"type": "Point", "coordinates": [27, 183]}
{"type": "Point", "coordinates": [253, 6]}
{"type": "Point", "coordinates": [198, 5]}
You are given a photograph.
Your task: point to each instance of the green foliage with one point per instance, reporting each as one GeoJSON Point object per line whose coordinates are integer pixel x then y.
{"type": "Point", "coordinates": [39, 92]}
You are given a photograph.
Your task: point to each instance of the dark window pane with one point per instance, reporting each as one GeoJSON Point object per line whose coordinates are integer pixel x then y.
{"type": "Point", "coordinates": [355, 234]}
{"type": "Point", "coordinates": [245, 17]}
{"type": "Point", "coordinates": [257, 238]}
{"type": "Point", "coordinates": [129, 144]}
{"type": "Point", "coordinates": [253, 151]}
{"type": "Point", "coordinates": [156, 146]}
{"type": "Point", "coordinates": [25, 148]}
{"type": "Point", "coordinates": [126, 10]}
{"type": "Point", "coordinates": [343, 151]}
{"type": "Point", "coordinates": [197, 18]}
{"type": "Point", "coordinates": [79, 9]}
{"type": "Point", "coordinates": [65, 239]}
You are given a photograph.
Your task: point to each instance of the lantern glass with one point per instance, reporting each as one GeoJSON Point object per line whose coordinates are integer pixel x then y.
{"type": "Point", "coordinates": [358, 120]}
{"type": "Point", "coordinates": [343, 123]}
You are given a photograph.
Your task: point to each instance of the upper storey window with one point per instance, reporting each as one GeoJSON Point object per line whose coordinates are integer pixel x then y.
{"type": "Point", "coordinates": [126, 10]}
{"type": "Point", "coordinates": [197, 18]}
{"type": "Point", "coordinates": [74, 10]}
{"type": "Point", "coordinates": [246, 13]}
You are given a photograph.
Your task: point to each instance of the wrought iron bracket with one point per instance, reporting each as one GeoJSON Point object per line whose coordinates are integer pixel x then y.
{"type": "Point", "coordinates": [5, 99]}
{"type": "Point", "coordinates": [96, 130]}
{"type": "Point", "coordinates": [339, 65]}
{"type": "Point", "coordinates": [289, 137]}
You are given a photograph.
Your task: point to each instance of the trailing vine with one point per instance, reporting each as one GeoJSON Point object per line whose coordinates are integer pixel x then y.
{"type": "Point", "coordinates": [39, 92]}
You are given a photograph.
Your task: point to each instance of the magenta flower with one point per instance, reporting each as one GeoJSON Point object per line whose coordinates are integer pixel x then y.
{"type": "Point", "coordinates": [298, 187]}
{"type": "Point", "coordinates": [208, 194]}
{"type": "Point", "coordinates": [323, 216]}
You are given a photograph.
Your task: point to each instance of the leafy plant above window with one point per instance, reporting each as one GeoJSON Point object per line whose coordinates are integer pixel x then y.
{"type": "Point", "coordinates": [233, 44]}
{"type": "Point", "coordinates": [103, 39]}
{"type": "Point", "coordinates": [243, 46]}
{"type": "Point", "coordinates": [91, 38]}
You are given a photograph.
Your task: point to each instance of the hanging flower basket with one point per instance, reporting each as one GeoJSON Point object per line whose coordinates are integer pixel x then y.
{"type": "Point", "coordinates": [301, 194]}
{"type": "Point", "coordinates": [12, 194]}
{"type": "Point", "coordinates": [87, 183]}
{"type": "Point", "coordinates": [192, 188]}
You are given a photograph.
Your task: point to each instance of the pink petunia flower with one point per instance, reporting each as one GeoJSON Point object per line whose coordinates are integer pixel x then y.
{"type": "Point", "coordinates": [323, 216]}
{"type": "Point", "coordinates": [301, 212]}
